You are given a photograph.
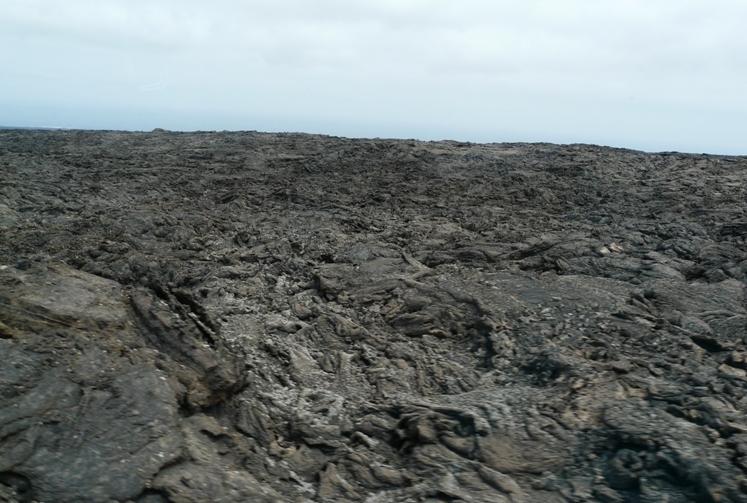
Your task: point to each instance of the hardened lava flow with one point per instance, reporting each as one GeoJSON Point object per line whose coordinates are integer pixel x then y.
{"type": "Point", "coordinates": [191, 317]}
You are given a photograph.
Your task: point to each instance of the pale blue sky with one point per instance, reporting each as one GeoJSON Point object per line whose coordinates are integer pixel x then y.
{"type": "Point", "coordinates": [654, 75]}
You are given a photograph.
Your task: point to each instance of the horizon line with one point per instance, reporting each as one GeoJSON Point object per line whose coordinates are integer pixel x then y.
{"type": "Point", "coordinates": [382, 138]}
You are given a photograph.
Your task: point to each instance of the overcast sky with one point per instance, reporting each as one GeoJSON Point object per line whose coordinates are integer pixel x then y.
{"type": "Point", "coordinates": [648, 74]}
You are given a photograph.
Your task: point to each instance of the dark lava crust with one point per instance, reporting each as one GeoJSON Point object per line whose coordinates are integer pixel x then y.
{"type": "Point", "coordinates": [283, 317]}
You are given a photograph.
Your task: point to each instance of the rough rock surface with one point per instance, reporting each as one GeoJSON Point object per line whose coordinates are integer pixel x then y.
{"type": "Point", "coordinates": [280, 317]}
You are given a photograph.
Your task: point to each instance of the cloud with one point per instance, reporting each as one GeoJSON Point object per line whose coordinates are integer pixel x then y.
{"type": "Point", "coordinates": [665, 74]}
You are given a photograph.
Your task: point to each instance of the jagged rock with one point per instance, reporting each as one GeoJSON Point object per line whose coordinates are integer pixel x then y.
{"type": "Point", "coordinates": [279, 317]}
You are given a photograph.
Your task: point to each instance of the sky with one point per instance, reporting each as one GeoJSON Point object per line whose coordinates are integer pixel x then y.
{"type": "Point", "coordinates": [656, 75]}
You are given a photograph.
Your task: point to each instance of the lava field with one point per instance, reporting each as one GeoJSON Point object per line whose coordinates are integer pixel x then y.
{"type": "Point", "coordinates": [243, 316]}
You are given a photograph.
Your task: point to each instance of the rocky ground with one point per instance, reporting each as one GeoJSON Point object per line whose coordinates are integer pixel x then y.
{"type": "Point", "coordinates": [193, 317]}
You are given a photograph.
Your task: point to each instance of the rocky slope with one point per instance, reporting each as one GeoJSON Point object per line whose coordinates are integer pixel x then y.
{"type": "Point", "coordinates": [280, 317]}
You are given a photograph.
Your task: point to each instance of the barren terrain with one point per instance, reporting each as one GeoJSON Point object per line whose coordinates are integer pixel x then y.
{"type": "Point", "coordinates": [191, 317]}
